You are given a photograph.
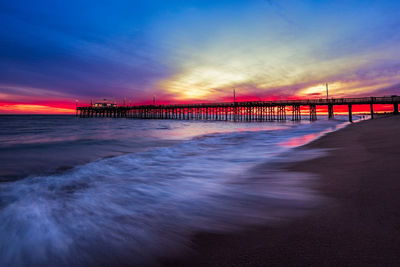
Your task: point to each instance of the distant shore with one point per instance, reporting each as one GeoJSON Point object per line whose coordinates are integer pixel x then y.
{"type": "Point", "coordinates": [359, 227]}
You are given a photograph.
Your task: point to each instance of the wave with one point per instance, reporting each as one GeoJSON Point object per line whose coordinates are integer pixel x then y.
{"type": "Point", "coordinates": [134, 208]}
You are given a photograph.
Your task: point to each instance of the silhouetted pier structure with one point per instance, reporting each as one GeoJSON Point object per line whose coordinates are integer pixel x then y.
{"type": "Point", "coordinates": [238, 111]}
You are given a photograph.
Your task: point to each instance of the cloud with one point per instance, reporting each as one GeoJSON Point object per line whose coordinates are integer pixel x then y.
{"type": "Point", "coordinates": [82, 58]}
{"type": "Point", "coordinates": [259, 48]}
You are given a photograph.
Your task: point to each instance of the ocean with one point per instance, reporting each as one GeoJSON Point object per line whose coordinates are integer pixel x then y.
{"type": "Point", "coordinates": [102, 191]}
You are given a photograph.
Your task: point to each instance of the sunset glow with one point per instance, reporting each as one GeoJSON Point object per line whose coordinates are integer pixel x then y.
{"type": "Point", "coordinates": [34, 109]}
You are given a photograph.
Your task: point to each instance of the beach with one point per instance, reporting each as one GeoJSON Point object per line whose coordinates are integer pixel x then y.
{"type": "Point", "coordinates": [358, 225]}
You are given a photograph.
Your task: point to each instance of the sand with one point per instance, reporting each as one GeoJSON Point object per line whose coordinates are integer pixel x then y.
{"type": "Point", "coordinates": [360, 226]}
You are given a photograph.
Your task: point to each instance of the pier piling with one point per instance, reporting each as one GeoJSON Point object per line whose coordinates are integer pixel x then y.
{"type": "Point", "coordinates": [330, 111]}
{"type": "Point", "coordinates": [372, 110]}
{"type": "Point", "coordinates": [350, 114]}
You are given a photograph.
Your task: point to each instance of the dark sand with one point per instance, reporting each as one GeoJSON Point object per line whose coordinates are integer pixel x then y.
{"type": "Point", "coordinates": [360, 226]}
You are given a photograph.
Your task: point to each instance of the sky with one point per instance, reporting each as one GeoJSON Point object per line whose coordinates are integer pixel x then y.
{"type": "Point", "coordinates": [54, 52]}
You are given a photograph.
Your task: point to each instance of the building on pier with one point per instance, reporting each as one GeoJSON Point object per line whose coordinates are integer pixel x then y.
{"type": "Point", "coordinates": [104, 104]}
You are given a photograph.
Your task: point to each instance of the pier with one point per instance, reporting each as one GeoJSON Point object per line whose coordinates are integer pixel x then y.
{"type": "Point", "coordinates": [279, 110]}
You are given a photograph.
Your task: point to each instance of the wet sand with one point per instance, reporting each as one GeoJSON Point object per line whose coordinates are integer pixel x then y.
{"type": "Point", "coordinates": [359, 226]}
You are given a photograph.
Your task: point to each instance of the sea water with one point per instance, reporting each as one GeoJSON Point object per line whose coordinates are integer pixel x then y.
{"type": "Point", "coordinates": [121, 191]}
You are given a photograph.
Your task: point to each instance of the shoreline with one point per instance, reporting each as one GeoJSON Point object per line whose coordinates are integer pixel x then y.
{"type": "Point", "coordinates": [359, 227]}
